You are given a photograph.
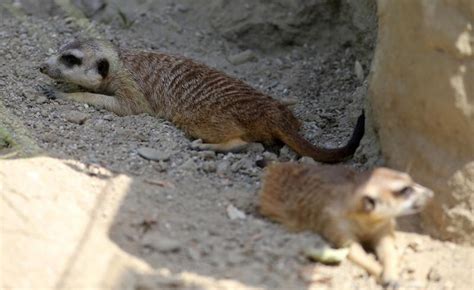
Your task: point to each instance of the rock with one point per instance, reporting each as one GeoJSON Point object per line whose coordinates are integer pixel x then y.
{"type": "Point", "coordinates": [209, 166]}
{"type": "Point", "coordinates": [223, 167]}
{"type": "Point", "coordinates": [174, 25]}
{"type": "Point", "coordinates": [421, 96]}
{"type": "Point", "coordinates": [188, 165]}
{"type": "Point", "coordinates": [415, 245]}
{"type": "Point", "coordinates": [242, 57]}
{"type": "Point", "coordinates": [181, 8]}
{"type": "Point", "coordinates": [153, 154]}
{"type": "Point", "coordinates": [255, 147]}
{"type": "Point", "coordinates": [235, 214]}
{"type": "Point", "coordinates": [359, 71]}
{"type": "Point", "coordinates": [242, 164]}
{"type": "Point", "coordinates": [269, 156]}
{"type": "Point", "coordinates": [307, 160]}
{"type": "Point", "coordinates": [158, 242]}
{"type": "Point", "coordinates": [193, 253]}
{"type": "Point", "coordinates": [207, 155]}
{"type": "Point", "coordinates": [90, 7]}
{"type": "Point", "coordinates": [287, 154]}
{"type": "Point", "coordinates": [108, 117]}
{"type": "Point", "coordinates": [76, 117]}
{"type": "Point", "coordinates": [433, 275]}
{"type": "Point", "coordinates": [41, 99]}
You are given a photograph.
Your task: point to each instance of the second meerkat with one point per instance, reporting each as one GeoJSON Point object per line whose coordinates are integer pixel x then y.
{"type": "Point", "coordinates": [226, 113]}
{"type": "Point", "coordinates": [348, 208]}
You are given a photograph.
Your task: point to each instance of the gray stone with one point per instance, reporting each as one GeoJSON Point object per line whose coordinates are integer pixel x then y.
{"type": "Point", "coordinates": [242, 57]}
{"type": "Point", "coordinates": [235, 214]}
{"type": "Point", "coordinates": [255, 147]}
{"type": "Point", "coordinates": [158, 242]}
{"type": "Point", "coordinates": [76, 117]}
{"type": "Point", "coordinates": [223, 167]}
{"type": "Point", "coordinates": [41, 99]}
{"type": "Point", "coordinates": [209, 166]}
{"type": "Point", "coordinates": [153, 154]}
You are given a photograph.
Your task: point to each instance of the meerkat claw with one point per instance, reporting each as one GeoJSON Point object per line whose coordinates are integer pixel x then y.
{"type": "Point", "coordinates": [49, 91]}
{"type": "Point", "coordinates": [197, 145]}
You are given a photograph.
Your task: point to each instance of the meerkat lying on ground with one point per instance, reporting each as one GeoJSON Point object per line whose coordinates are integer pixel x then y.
{"type": "Point", "coordinates": [224, 112]}
{"type": "Point", "coordinates": [348, 208]}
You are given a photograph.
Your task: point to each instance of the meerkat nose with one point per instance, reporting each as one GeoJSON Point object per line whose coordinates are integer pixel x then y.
{"type": "Point", "coordinates": [42, 68]}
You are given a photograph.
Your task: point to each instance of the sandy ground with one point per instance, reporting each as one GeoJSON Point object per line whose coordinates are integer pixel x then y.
{"type": "Point", "coordinates": [181, 202]}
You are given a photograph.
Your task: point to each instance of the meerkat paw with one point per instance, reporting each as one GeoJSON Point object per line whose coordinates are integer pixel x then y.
{"type": "Point", "coordinates": [48, 91]}
{"type": "Point", "coordinates": [197, 145]}
{"type": "Point", "coordinates": [233, 145]}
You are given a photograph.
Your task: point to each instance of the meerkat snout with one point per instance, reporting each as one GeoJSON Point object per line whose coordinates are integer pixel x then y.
{"type": "Point", "coordinates": [391, 193]}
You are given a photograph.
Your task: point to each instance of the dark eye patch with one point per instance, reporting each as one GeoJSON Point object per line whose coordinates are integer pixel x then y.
{"type": "Point", "coordinates": [70, 60]}
{"type": "Point", "coordinates": [404, 192]}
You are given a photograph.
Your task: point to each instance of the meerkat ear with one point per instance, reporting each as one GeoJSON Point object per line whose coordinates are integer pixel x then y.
{"type": "Point", "coordinates": [368, 203]}
{"type": "Point", "coordinates": [103, 67]}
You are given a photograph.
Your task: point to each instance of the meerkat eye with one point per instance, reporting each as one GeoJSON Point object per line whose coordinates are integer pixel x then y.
{"type": "Point", "coordinates": [406, 191]}
{"type": "Point", "coordinates": [103, 67]}
{"type": "Point", "coordinates": [70, 60]}
{"type": "Point", "coordinates": [368, 203]}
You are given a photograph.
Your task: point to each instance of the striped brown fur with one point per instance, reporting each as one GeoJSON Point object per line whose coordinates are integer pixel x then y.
{"type": "Point", "coordinates": [207, 104]}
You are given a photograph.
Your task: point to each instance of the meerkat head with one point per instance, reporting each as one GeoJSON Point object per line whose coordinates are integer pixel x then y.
{"type": "Point", "coordinates": [385, 193]}
{"type": "Point", "coordinates": [86, 63]}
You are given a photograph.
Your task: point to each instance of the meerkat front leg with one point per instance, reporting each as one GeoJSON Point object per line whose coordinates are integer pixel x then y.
{"type": "Point", "coordinates": [359, 256]}
{"type": "Point", "coordinates": [97, 100]}
{"type": "Point", "coordinates": [386, 252]}
{"type": "Point", "coordinates": [233, 145]}
{"type": "Point", "coordinates": [109, 103]}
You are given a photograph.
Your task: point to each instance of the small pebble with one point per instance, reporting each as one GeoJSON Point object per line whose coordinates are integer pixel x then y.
{"type": "Point", "coordinates": [359, 71]}
{"type": "Point", "coordinates": [41, 99]}
{"type": "Point", "coordinates": [235, 214]}
{"type": "Point", "coordinates": [209, 166]}
{"type": "Point", "coordinates": [207, 155]}
{"type": "Point", "coordinates": [189, 165]}
{"type": "Point", "coordinates": [76, 117]}
{"type": "Point", "coordinates": [242, 57]}
{"type": "Point", "coordinates": [223, 167]}
{"type": "Point", "coordinates": [156, 241]}
{"type": "Point", "coordinates": [307, 160]}
{"type": "Point", "coordinates": [269, 156]}
{"type": "Point", "coordinates": [433, 275]}
{"type": "Point", "coordinates": [287, 154]}
{"type": "Point", "coordinates": [108, 117]}
{"type": "Point", "coordinates": [255, 147]}
{"type": "Point", "coordinates": [415, 245]}
{"type": "Point", "coordinates": [153, 154]}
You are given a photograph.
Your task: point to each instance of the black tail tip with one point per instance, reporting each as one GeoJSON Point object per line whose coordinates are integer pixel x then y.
{"type": "Point", "coordinates": [358, 133]}
{"type": "Point", "coordinates": [360, 125]}
{"type": "Point", "coordinates": [361, 118]}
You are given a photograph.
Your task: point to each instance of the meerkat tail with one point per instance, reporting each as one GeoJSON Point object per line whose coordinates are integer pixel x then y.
{"type": "Point", "coordinates": [328, 155]}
